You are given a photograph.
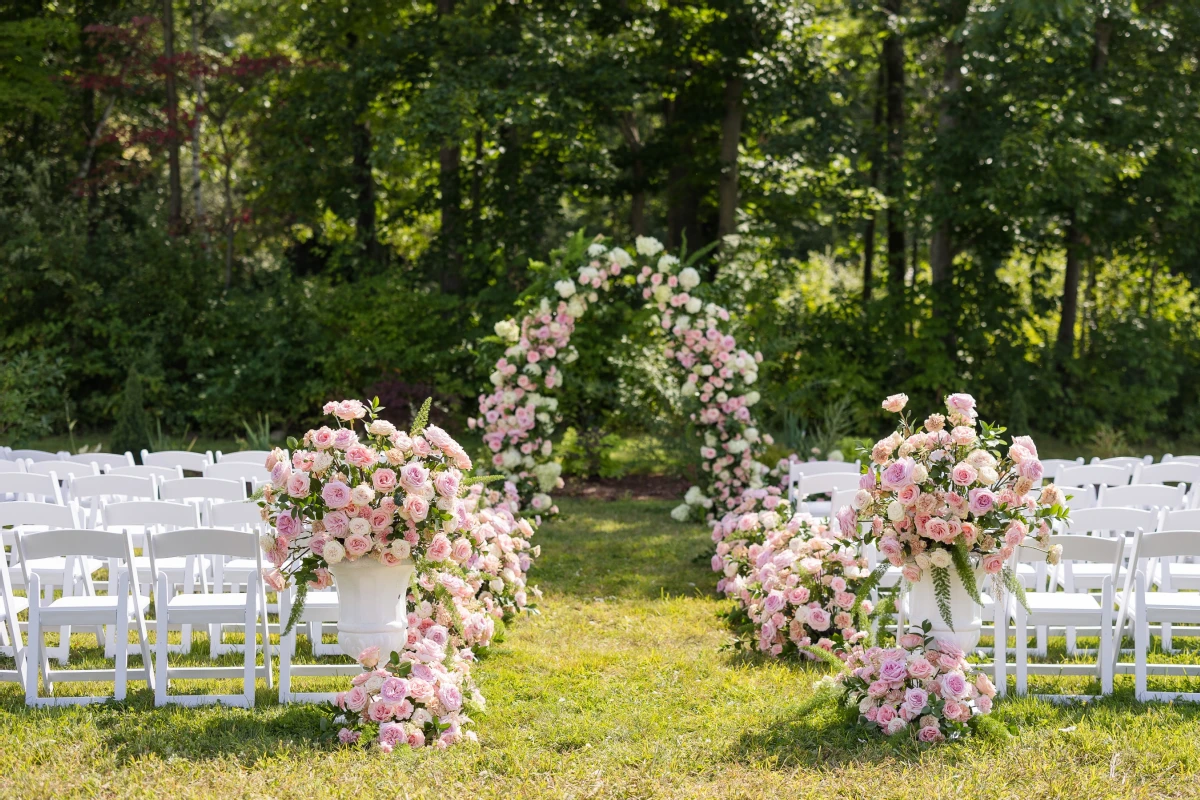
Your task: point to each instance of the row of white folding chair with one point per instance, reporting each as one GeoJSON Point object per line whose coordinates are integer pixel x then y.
{"type": "Point", "coordinates": [183, 459]}
{"type": "Point", "coordinates": [1185, 459]}
{"type": "Point", "coordinates": [247, 608]}
{"type": "Point", "coordinates": [244, 456]}
{"type": "Point", "coordinates": [251, 472]}
{"type": "Point", "coordinates": [34, 455]}
{"type": "Point", "coordinates": [799, 469]}
{"type": "Point", "coordinates": [1168, 472]}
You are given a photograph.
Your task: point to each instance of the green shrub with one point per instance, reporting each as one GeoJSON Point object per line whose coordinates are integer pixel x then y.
{"type": "Point", "coordinates": [132, 431]}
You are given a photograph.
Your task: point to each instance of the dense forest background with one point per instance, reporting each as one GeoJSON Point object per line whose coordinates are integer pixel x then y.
{"type": "Point", "coordinates": [259, 205]}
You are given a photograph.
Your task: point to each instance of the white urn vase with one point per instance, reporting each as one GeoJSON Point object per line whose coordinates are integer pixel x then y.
{"type": "Point", "coordinates": [965, 614]}
{"type": "Point", "coordinates": [372, 605]}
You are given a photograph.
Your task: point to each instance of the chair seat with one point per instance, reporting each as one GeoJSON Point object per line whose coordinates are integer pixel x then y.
{"type": "Point", "coordinates": [818, 508]}
{"type": "Point", "coordinates": [1062, 607]}
{"type": "Point", "coordinates": [223, 607]}
{"type": "Point", "coordinates": [1172, 606]}
{"type": "Point", "coordinates": [86, 610]}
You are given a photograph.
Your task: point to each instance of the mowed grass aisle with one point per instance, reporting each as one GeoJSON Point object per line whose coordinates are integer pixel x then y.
{"type": "Point", "coordinates": [619, 689]}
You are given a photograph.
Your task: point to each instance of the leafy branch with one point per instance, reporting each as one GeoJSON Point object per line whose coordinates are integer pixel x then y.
{"type": "Point", "coordinates": [941, 591]}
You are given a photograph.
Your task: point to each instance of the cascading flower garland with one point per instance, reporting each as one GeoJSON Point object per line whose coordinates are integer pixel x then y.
{"type": "Point", "coordinates": [798, 583]}
{"type": "Point", "coordinates": [519, 416]}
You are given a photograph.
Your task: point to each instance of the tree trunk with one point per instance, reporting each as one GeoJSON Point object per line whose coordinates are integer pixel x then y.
{"type": "Point", "coordinates": [893, 61]}
{"type": "Point", "coordinates": [364, 179]}
{"type": "Point", "coordinates": [198, 123]}
{"type": "Point", "coordinates": [876, 156]}
{"type": "Point", "coordinates": [941, 248]}
{"type": "Point", "coordinates": [175, 183]}
{"type": "Point", "coordinates": [637, 195]}
{"type": "Point", "coordinates": [731, 134]}
{"type": "Point", "coordinates": [477, 188]}
{"type": "Point", "coordinates": [1070, 300]}
{"type": "Point", "coordinates": [450, 185]}
{"type": "Point", "coordinates": [683, 202]}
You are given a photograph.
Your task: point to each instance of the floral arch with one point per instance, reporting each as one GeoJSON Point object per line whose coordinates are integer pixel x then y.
{"type": "Point", "coordinates": [519, 416]}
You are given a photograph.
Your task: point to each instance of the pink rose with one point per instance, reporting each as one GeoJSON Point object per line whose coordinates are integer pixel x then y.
{"type": "Point", "coordinates": [322, 438]}
{"type": "Point", "coordinates": [895, 403]}
{"type": "Point", "coordinates": [413, 476]}
{"type": "Point", "coordinates": [347, 736]}
{"type": "Point", "coordinates": [984, 704]}
{"type": "Point", "coordinates": [280, 474]}
{"type": "Point", "coordinates": [909, 494]}
{"type": "Point", "coordinates": [274, 579]}
{"type": "Point", "coordinates": [885, 714]}
{"type": "Point", "coordinates": [915, 699]}
{"type": "Point", "coordinates": [963, 474]}
{"type": "Point", "coordinates": [357, 545]}
{"type": "Point", "coordinates": [962, 404]}
{"type": "Point", "coordinates": [298, 484]}
{"type": "Point", "coordinates": [985, 686]}
{"type": "Point", "coordinates": [981, 501]}
{"type": "Point", "coordinates": [929, 734]}
{"type": "Point", "coordinates": [954, 685]}
{"type": "Point", "coordinates": [392, 734]}
{"type": "Point", "coordinates": [287, 525]}
{"type": "Point", "coordinates": [450, 697]}
{"type": "Point", "coordinates": [439, 549]}
{"type": "Point", "coordinates": [993, 563]}
{"type": "Point", "coordinates": [938, 529]}
{"type": "Point", "coordinates": [462, 550]}
{"type": "Point", "coordinates": [343, 438]}
{"type": "Point", "coordinates": [894, 726]}
{"type": "Point", "coordinates": [416, 507]}
{"type": "Point", "coordinates": [446, 483]}
{"type": "Point", "coordinates": [394, 689]}
{"type": "Point", "coordinates": [910, 640]}
{"type": "Point", "coordinates": [1030, 468]}
{"type": "Point", "coordinates": [819, 619]}
{"type": "Point", "coordinates": [336, 522]}
{"type": "Point", "coordinates": [360, 455]}
{"type": "Point", "coordinates": [356, 699]}
{"type": "Point", "coordinates": [1026, 443]}
{"type": "Point", "coordinates": [379, 712]}
{"type": "Point", "coordinates": [898, 474]}
{"type": "Point", "coordinates": [438, 437]}
{"type": "Point", "coordinates": [384, 480]}
{"type": "Point", "coordinates": [893, 671]}
{"type": "Point", "coordinates": [336, 494]}
{"type": "Point", "coordinates": [847, 521]}
{"type": "Point", "coordinates": [921, 669]}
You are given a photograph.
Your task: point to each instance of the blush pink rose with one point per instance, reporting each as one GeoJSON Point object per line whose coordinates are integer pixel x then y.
{"type": "Point", "coordinates": [929, 734]}
{"type": "Point", "coordinates": [416, 507]}
{"type": "Point", "coordinates": [357, 545]}
{"type": "Point", "coordinates": [384, 480]}
{"type": "Point", "coordinates": [961, 403]}
{"type": "Point", "coordinates": [336, 523]}
{"type": "Point", "coordinates": [439, 548]}
{"type": "Point", "coordinates": [322, 438]}
{"type": "Point", "coordinates": [336, 494]}
{"type": "Point", "coordinates": [356, 699]}
{"type": "Point", "coordinates": [344, 438]}
{"type": "Point", "coordinates": [895, 403]}
{"type": "Point", "coordinates": [993, 563]}
{"type": "Point", "coordinates": [981, 501]}
{"type": "Point", "coordinates": [963, 474]}
{"type": "Point", "coordinates": [298, 484]}
{"type": "Point", "coordinates": [1031, 468]}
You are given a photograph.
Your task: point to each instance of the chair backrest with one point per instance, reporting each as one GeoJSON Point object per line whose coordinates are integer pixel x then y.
{"type": "Point", "coordinates": [237, 514]}
{"type": "Point", "coordinates": [1132, 462]}
{"type": "Point", "coordinates": [1168, 472]}
{"type": "Point", "coordinates": [61, 469]}
{"type": "Point", "coordinates": [29, 485]}
{"type": "Point", "coordinates": [160, 473]}
{"type": "Point", "coordinates": [184, 459]}
{"type": "Point", "coordinates": [244, 456]}
{"type": "Point", "coordinates": [25, 512]}
{"type": "Point", "coordinates": [204, 542]}
{"type": "Point", "coordinates": [1097, 474]}
{"type": "Point", "coordinates": [1180, 520]}
{"type": "Point", "coordinates": [103, 460]}
{"type": "Point", "coordinates": [75, 542]}
{"type": "Point", "coordinates": [1142, 495]}
{"type": "Point", "coordinates": [1079, 497]}
{"type": "Point", "coordinates": [1165, 544]}
{"type": "Point", "coordinates": [826, 483]}
{"type": "Point", "coordinates": [109, 486]}
{"type": "Point", "coordinates": [1051, 466]}
{"type": "Point", "coordinates": [1185, 459]}
{"type": "Point", "coordinates": [238, 471]}
{"type": "Point", "coordinates": [202, 489]}
{"type": "Point", "coordinates": [147, 513]}
{"type": "Point", "coordinates": [1107, 520]}
{"type": "Point", "coordinates": [35, 455]}
{"type": "Point", "coordinates": [12, 466]}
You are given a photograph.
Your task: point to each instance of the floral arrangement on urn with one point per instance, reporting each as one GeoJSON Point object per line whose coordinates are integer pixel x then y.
{"type": "Point", "coordinates": [364, 509]}
{"type": "Point", "coordinates": [942, 501]}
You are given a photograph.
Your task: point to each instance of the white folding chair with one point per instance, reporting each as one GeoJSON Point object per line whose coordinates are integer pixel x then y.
{"type": "Point", "coordinates": [105, 460]}
{"type": "Point", "coordinates": [797, 469]}
{"type": "Point", "coordinates": [244, 456]}
{"type": "Point", "coordinates": [1065, 609]}
{"type": "Point", "coordinates": [1129, 462]}
{"type": "Point", "coordinates": [11, 643]}
{"type": "Point", "coordinates": [244, 471]}
{"type": "Point", "coordinates": [1168, 472]}
{"type": "Point", "coordinates": [114, 609]}
{"type": "Point", "coordinates": [91, 492]}
{"type": "Point", "coordinates": [140, 518]}
{"type": "Point", "coordinates": [214, 608]}
{"type": "Point", "coordinates": [1143, 495]}
{"type": "Point", "coordinates": [202, 492]}
{"type": "Point", "coordinates": [12, 466]}
{"type": "Point", "coordinates": [140, 470]}
{"type": "Point", "coordinates": [183, 459]}
{"type": "Point", "coordinates": [36, 455]}
{"type": "Point", "coordinates": [825, 483]}
{"type": "Point", "coordinates": [243, 515]}
{"type": "Point", "coordinates": [1051, 466]}
{"type": "Point", "coordinates": [64, 470]}
{"type": "Point", "coordinates": [26, 486]}
{"type": "Point", "coordinates": [1079, 497]}
{"type": "Point", "coordinates": [1094, 475]}
{"type": "Point", "coordinates": [1184, 459]}
{"type": "Point", "coordinates": [319, 608]}
{"type": "Point", "coordinates": [72, 575]}
{"type": "Point", "coordinates": [1163, 607]}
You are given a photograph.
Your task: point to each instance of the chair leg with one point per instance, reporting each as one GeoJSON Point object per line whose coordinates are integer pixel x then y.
{"type": "Point", "coordinates": [33, 653]}
{"type": "Point", "coordinates": [1141, 647]}
{"type": "Point", "coordinates": [1043, 633]}
{"type": "Point", "coordinates": [1070, 641]}
{"type": "Point", "coordinates": [1104, 655]}
{"type": "Point", "coordinates": [250, 652]}
{"type": "Point", "coordinates": [1166, 638]}
{"type": "Point", "coordinates": [1022, 650]}
{"type": "Point", "coordinates": [121, 679]}
{"type": "Point", "coordinates": [160, 644]}
{"type": "Point", "coordinates": [1000, 651]}
{"type": "Point", "coordinates": [287, 646]}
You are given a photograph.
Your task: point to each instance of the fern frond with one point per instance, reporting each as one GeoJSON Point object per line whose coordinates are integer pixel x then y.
{"type": "Point", "coordinates": [422, 418]}
{"type": "Point", "coordinates": [823, 655]}
{"type": "Point", "coordinates": [297, 606]}
{"type": "Point", "coordinates": [962, 565]}
{"type": "Point", "coordinates": [1013, 584]}
{"type": "Point", "coordinates": [474, 479]}
{"type": "Point", "coordinates": [941, 591]}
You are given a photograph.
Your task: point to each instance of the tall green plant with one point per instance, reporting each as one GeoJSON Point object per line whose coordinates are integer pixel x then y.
{"type": "Point", "coordinates": [132, 431]}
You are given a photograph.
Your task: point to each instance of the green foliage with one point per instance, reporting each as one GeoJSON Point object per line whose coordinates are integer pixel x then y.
{"type": "Point", "coordinates": [30, 384]}
{"type": "Point", "coordinates": [941, 591]}
{"type": "Point", "coordinates": [132, 431]}
{"type": "Point", "coordinates": [258, 433]}
{"type": "Point", "coordinates": [962, 565]}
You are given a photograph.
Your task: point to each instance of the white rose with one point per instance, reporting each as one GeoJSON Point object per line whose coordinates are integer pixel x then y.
{"type": "Point", "coordinates": [576, 307]}
{"type": "Point", "coordinates": [621, 258]}
{"type": "Point", "coordinates": [662, 293]}
{"type": "Point", "coordinates": [752, 398]}
{"type": "Point", "coordinates": [922, 560]}
{"type": "Point", "coordinates": [333, 552]}
{"type": "Point", "coordinates": [666, 262]}
{"type": "Point", "coordinates": [989, 475]}
{"type": "Point", "coordinates": [836, 455]}
{"type": "Point", "coordinates": [688, 389]}
{"type": "Point", "coordinates": [360, 526]}
{"type": "Point", "coordinates": [689, 279]}
{"type": "Point", "coordinates": [940, 558]}
{"type": "Point", "coordinates": [648, 245]}
{"type": "Point", "coordinates": [508, 330]}
{"type": "Point", "coordinates": [693, 305]}
{"type": "Point", "coordinates": [565, 288]}
{"type": "Point", "coordinates": [920, 473]}
{"type": "Point", "coordinates": [895, 511]}
{"type": "Point", "coordinates": [751, 435]}
{"type": "Point", "coordinates": [596, 249]}
{"type": "Point", "coordinates": [681, 513]}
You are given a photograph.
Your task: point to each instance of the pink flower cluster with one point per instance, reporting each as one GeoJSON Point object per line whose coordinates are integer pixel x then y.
{"type": "Point", "coordinates": [380, 493]}
{"type": "Point", "coordinates": [922, 686]}
{"type": "Point", "coordinates": [942, 485]}
{"type": "Point", "coordinates": [519, 416]}
{"type": "Point", "coordinates": [794, 578]}
{"type": "Point", "coordinates": [416, 699]}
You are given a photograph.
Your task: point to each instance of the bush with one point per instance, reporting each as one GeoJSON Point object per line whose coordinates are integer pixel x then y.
{"type": "Point", "coordinates": [30, 395]}
{"type": "Point", "coordinates": [132, 431]}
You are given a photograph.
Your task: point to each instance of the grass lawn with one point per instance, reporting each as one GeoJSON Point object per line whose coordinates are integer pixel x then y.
{"type": "Point", "coordinates": [619, 689]}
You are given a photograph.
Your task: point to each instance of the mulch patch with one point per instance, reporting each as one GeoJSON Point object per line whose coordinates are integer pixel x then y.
{"type": "Point", "coordinates": [630, 487]}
